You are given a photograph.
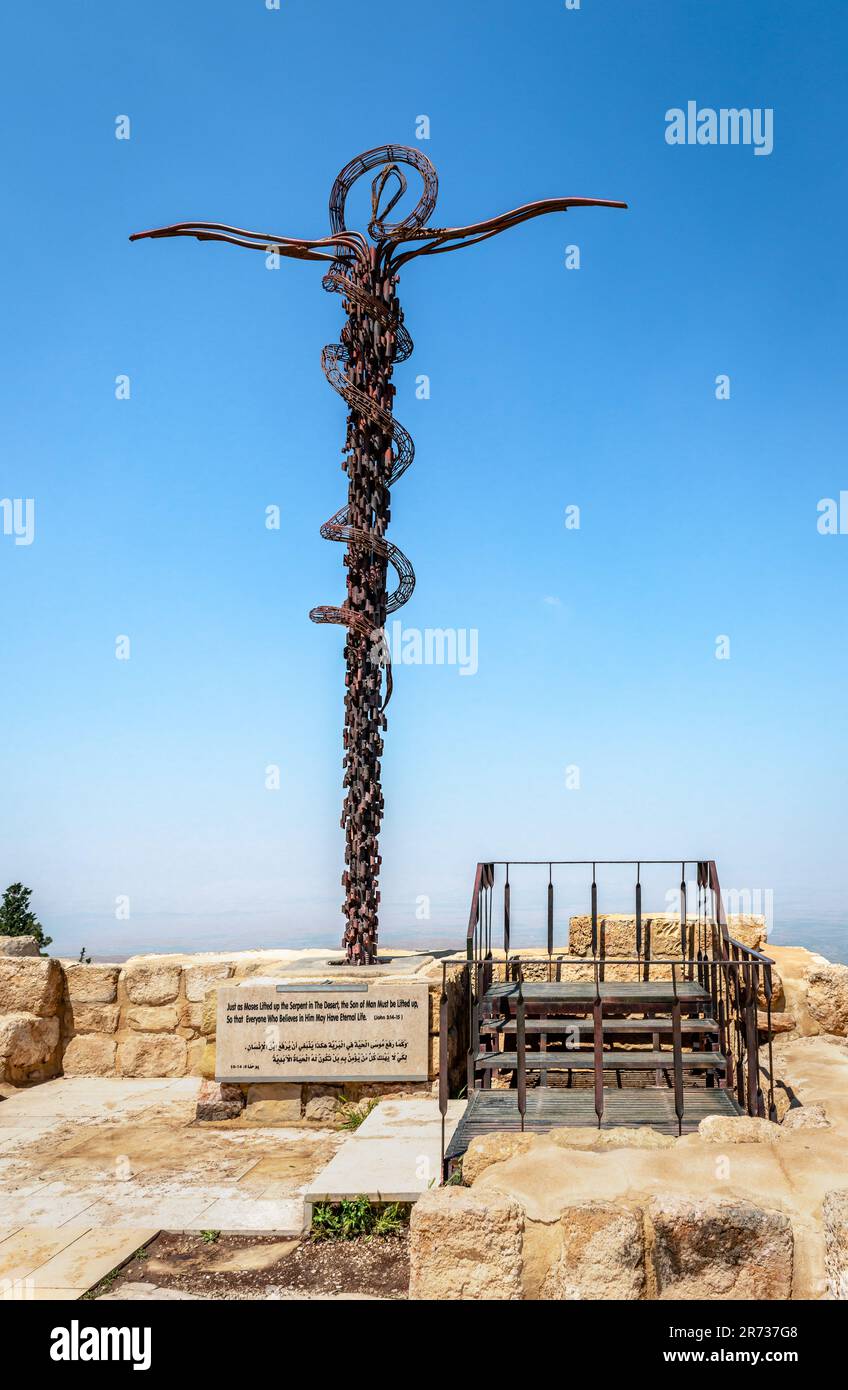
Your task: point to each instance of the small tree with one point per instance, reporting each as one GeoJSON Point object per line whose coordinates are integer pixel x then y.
{"type": "Point", "coordinates": [16, 918]}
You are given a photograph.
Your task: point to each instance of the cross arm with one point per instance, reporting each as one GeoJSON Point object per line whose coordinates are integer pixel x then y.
{"type": "Point", "coordinates": [441, 239]}
{"type": "Point", "coordinates": [298, 248]}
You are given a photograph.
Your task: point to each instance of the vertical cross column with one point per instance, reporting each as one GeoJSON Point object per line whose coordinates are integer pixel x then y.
{"type": "Point", "coordinates": [368, 450]}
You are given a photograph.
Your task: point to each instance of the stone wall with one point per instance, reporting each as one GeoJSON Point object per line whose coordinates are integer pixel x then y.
{"type": "Point", "coordinates": [155, 1016]}
{"type": "Point", "coordinates": [31, 991]}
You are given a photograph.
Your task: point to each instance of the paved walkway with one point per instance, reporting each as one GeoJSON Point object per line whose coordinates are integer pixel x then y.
{"type": "Point", "coordinates": [394, 1156]}
{"type": "Point", "coordinates": [93, 1168]}
{"type": "Point", "coordinates": [106, 1153]}
{"type": "Point", "coordinates": [53, 1263]}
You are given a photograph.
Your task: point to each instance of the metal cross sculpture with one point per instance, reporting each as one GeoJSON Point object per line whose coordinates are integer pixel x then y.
{"type": "Point", "coordinates": [378, 450]}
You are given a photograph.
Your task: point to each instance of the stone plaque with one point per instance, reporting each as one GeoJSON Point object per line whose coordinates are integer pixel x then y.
{"type": "Point", "coordinates": [370, 1031]}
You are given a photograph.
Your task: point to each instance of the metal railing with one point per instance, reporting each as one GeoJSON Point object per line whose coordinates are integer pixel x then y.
{"type": "Point", "coordinates": [735, 980]}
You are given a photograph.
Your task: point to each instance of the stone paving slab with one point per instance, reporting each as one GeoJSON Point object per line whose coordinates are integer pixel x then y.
{"type": "Point", "coordinates": [394, 1156]}
{"type": "Point", "coordinates": [284, 1217]}
{"type": "Point", "coordinates": [73, 1260]}
{"type": "Point", "coordinates": [133, 1292]}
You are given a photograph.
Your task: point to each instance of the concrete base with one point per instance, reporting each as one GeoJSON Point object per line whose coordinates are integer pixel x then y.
{"type": "Point", "coordinates": [394, 1156]}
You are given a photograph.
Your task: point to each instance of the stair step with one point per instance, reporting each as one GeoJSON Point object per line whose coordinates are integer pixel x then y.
{"type": "Point", "coordinates": [610, 1025]}
{"type": "Point", "coordinates": [636, 996]}
{"type": "Point", "coordinates": [613, 1061]}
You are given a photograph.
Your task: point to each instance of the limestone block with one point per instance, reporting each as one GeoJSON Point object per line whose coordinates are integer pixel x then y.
{"type": "Point", "coordinates": [739, 1129]}
{"type": "Point", "coordinates": [90, 1054]}
{"type": "Point", "coordinates": [27, 1045]}
{"type": "Point", "coordinates": [806, 1117]}
{"type": "Point", "coordinates": [92, 1018]}
{"type": "Point", "coordinates": [19, 946]}
{"type": "Point", "coordinates": [206, 1062]}
{"type": "Point", "coordinates": [780, 1022]}
{"type": "Point", "coordinates": [190, 1016]}
{"type": "Point", "coordinates": [835, 1212]}
{"type": "Point", "coordinates": [486, 1149]}
{"type": "Point", "coordinates": [152, 981]}
{"type": "Point", "coordinates": [30, 986]}
{"type": "Point", "coordinates": [152, 1019]}
{"type": "Point", "coordinates": [595, 1140]}
{"type": "Point", "coordinates": [209, 1019]}
{"type": "Point", "coordinates": [92, 984]}
{"type": "Point", "coordinates": [465, 1245]}
{"type": "Point", "coordinates": [200, 978]}
{"type": "Point", "coordinates": [151, 1054]}
{"type": "Point", "coordinates": [196, 1058]}
{"type": "Point", "coordinates": [218, 1100]}
{"type": "Point", "coordinates": [273, 1103]}
{"type": "Point", "coordinates": [602, 1256]}
{"type": "Point", "coordinates": [827, 997]}
{"type": "Point", "coordinates": [321, 1110]}
{"type": "Point", "coordinates": [706, 1247]}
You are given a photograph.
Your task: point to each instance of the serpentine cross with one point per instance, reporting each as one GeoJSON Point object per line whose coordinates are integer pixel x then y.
{"type": "Point", "coordinates": [378, 450]}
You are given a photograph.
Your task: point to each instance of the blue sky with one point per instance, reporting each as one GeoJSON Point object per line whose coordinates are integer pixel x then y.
{"type": "Point", "coordinates": [145, 778]}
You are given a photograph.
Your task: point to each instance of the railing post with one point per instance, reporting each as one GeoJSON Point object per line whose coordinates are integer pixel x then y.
{"type": "Point", "coordinates": [443, 1059]}
{"type": "Point", "coordinates": [684, 943]}
{"type": "Point", "coordinates": [598, 1047]}
{"type": "Point", "coordinates": [677, 1048]}
{"type": "Point", "coordinates": [473, 1024]}
{"type": "Point", "coordinates": [506, 921]}
{"type": "Point", "coordinates": [550, 916]}
{"type": "Point", "coordinates": [755, 1095]}
{"type": "Point", "coordinates": [520, 1049]}
{"type": "Point", "coordinates": [638, 919]}
{"type": "Point", "coordinates": [768, 988]}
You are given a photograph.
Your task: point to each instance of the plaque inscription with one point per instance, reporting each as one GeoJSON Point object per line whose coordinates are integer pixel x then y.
{"type": "Point", "coordinates": [374, 1031]}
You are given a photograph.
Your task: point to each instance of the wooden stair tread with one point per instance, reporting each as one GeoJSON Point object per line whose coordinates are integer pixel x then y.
{"type": "Point", "coordinates": [613, 1061]}
{"type": "Point", "coordinates": [610, 1025]}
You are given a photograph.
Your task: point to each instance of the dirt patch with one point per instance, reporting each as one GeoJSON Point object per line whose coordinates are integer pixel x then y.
{"type": "Point", "coordinates": [245, 1266]}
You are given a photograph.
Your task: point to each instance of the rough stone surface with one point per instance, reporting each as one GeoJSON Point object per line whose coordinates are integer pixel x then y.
{"type": "Point", "coordinates": [30, 986]}
{"type": "Point", "coordinates": [827, 997]}
{"type": "Point", "coordinates": [199, 979]}
{"type": "Point", "coordinates": [597, 1140]}
{"type": "Point", "coordinates": [619, 931]}
{"type": "Point", "coordinates": [465, 1246]}
{"type": "Point", "coordinates": [273, 1103]}
{"type": "Point", "coordinates": [27, 1046]}
{"type": "Point", "coordinates": [152, 981]}
{"type": "Point", "coordinates": [711, 1248]}
{"type": "Point", "coordinates": [741, 1129]}
{"type": "Point", "coordinates": [92, 1018]}
{"type": "Point", "coordinates": [90, 1054]}
{"type": "Point", "coordinates": [152, 1019]}
{"type": "Point", "coordinates": [92, 984]}
{"type": "Point", "coordinates": [204, 1064]}
{"type": "Point", "coordinates": [151, 1054]}
{"type": "Point", "coordinates": [217, 1100]}
{"type": "Point", "coordinates": [209, 1019]}
{"type": "Point", "coordinates": [190, 1016]}
{"type": "Point", "coordinates": [19, 946]}
{"type": "Point", "coordinates": [321, 1109]}
{"type": "Point", "coordinates": [835, 1213]}
{"type": "Point", "coordinates": [603, 1254]}
{"type": "Point", "coordinates": [780, 1022]}
{"type": "Point", "coordinates": [806, 1117]}
{"type": "Point", "coordinates": [487, 1149]}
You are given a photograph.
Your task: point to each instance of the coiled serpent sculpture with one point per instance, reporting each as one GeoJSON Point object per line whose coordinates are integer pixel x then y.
{"type": "Point", "coordinates": [378, 451]}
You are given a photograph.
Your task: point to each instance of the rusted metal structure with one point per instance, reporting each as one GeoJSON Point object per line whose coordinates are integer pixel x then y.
{"type": "Point", "coordinates": [364, 270]}
{"type": "Point", "coordinates": [680, 1034]}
